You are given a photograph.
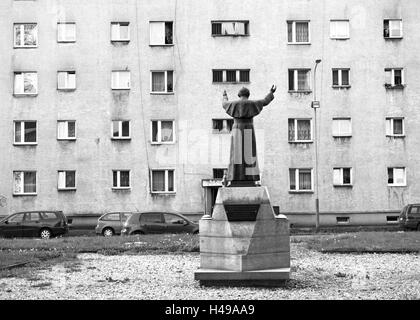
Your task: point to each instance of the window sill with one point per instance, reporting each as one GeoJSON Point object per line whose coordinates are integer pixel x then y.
{"type": "Point", "coordinates": [301, 192]}
{"type": "Point", "coordinates": [393, 38]}
{"type": "Point", "coordinates": [162, 93]}
{"type": "Point", "coordinates": [395, 87]}
{"type": "Point", "coordinates": [299, 43]}
{"type": "Point", "coordinates": [301, 142]}
{"type": "Point", "coordinates": [25, 47]}
{"type": "Point", "coordinates": [168, 193]}
{"type": "Point", "coordinates": [67, 190]}
{"type": "Point", "coordinates": [120, 89]}
{"type": "Point", "coordinates": [66, 89]}
{"type": "Point", "coordinates": [343, 136]}
{"type": "Point", "coordinates": [229, 35]}
{"type": "Point", "coordinates": [341, 87]}
{"type": "Point", "coordinates": [343, 186]}
{"type": "Point", "coordinates": [23, 95]}
{"type": "Point", "coordinates": [121, 189]}
{"type": "Point", "coordinates": [395, 136]}
{"type": "Point", "coordinates": [121, 139]}
{"type": "Point", "coordinates": [338, 38]}
{"type": "Point", "coordinates": [25, 144]}
{"type": "Point", "coordinates": [25, 194]}
{"type": "Point", "coordinates": [66, 41]}
{"type": "Point", "coordinates": [397, 185]}
{"type": "Point", "coordinates": [238, 82]}
{"type": "Point", "coordinates": [160, 143]}
{"type": "Point", "coordinates": [162, 45]}
{"type": "Point", "coordinates": [120, 41]}
{"type": "Point", "coordinates": [300, 91]}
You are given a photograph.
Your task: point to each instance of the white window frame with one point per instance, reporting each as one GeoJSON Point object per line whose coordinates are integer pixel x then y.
{"type": "Point", "coordinates": [389, 25]}
{"type": "Point", "coordinates": [392, 70]}
{"type": "Point", "coordinates": [296, 80]}
{"type": "Point", "coordinates": [116, 81]}
{"type": "Point", "coordinates": [341, 183]}
{"type": "Point", "coordinates": [335, 36]}
{"type": "Point", "coordinates": [118, 187]}
{"type": "Point", "coordinates": [340, 78]}
{"type": "Point", "coordinates": [22, 74]}
{"type": "Point", "coordinates": [159, 133]}
{"type": "Point", "coordinates": [296, 130]}
{"type": "Point", "coordinates": [166, 170]}
{"type": "Point", "coordinates": [62, 34]}
{"type": "Point", "coordinates": [390, 127]}
{"type": "Point", "coordinates": [67, 81]}
{"type": "Point", "coordinates": [22, 35]}
{"type": "Point", "coordinates": [166, 82]}
{"type": "Point", "coordinates": [22, 135]}
{"type": "Point", "coordinates": [236, 33]}
{"type": "Point", "coordinates": [22, 185]}
{"type": "Point", "coordinates": [66, 129]}
{"type": "Point", "coordinates": [155, 44]}
{"type": "Point", "coordinates": [294, 32]}
{"type": "Point", "coordinates": [118, 25]}
{"type": "Point", "coordinates": [63, 173]}
{"type": "Point", "coordinates": [404, 184]}
{"type": "Point", "coordinates": [339, 133]}
{"type": "Point", "coordinates": [297, 190]}
{"type": "Point", "coordinates": [120, 125]}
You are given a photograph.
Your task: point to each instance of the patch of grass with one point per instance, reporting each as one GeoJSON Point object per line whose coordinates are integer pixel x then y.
{"type": "Point", "coordinates": [363, 242]}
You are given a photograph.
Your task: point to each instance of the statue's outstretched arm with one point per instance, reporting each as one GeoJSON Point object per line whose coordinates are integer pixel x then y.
{"type": "Point", "coordinates": [225, 97]}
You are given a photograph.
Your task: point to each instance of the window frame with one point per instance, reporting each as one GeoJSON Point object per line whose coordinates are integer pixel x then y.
{"type": "Point", "coordinates": [166, 170]}
{"type": "Point", "coordinates": [404, 184]}
{"type": "Point", "coordinates": [164, 25]}
{"type": "Point", "coordinates": [117, 72]}
{"type": "Point", "coordinates": [389, 36]}
{"type": "Point", "coordinates": [68, 72]}
{"type": "Point", "coordinates": [336, 135]}
{"type": "Point", "coordinates": [65, 181]}
{"type": "Point", "coordinates": [119, 23]}
{"type": "Point", "coordinates": [390, 132]}
{"type": "Point", "coordinates": [23, 73]}
{"type": "Point", "coordinates": [120, 131]}
{"type": "Point", "coordinates": [58, 32]}
{"type": "Point", "coordinates": [294, 32]}
{"type": "Point", "coordinates": [392, 85]}
{"type": "Point", "coordinates": [159, 131]}
{"type": "Point", "coordinates": [341, 177]}
{"type": "Point", "coordinates": [296, 80]}
{"type": "Point", "coordinates": [23, 193]}
{"type": "Point", "coordinates": [297, 190]}
{"type": "Point", "coordinates": [22, 124]}
{"type": "Point", "coordinates": [340, 78]}
{"type": "Point", "coordinates": [166, 92]}
{"type": "Point", "coordinates": [335, 37]}
{"type": "Point", "coordinates": [118, 187]}
{"type": "Point", "coordinates": [296, 130]}
{"type": "Point", "coordinates": [22, 35]}
{"type": "Point", "coordinates": [246, 26]}
{"type": "Point", "coordinates": [237, 76]}
{"type": "Point", "coordinates": [67, 138]}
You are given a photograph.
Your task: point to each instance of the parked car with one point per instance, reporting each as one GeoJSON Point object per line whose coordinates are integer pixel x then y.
{"type": "Point", "coordinates": [43, 224]}
{"type": "Point", "coordinates": [111, 223]}
{"type": "Point", "coordinates": [158, 222]}
{"type": "Point", "coordinates": [410, 217]}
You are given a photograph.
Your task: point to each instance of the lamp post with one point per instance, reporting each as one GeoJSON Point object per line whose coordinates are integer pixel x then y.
{"type": "Point", "coordinates": [315, 105]}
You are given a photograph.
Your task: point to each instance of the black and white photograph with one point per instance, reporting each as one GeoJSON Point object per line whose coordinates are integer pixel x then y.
{"type": "Point", "coordinates": [228, 151]}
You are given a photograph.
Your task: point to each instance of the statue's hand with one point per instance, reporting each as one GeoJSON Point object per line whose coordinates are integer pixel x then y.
{"type": "Point", "coordinates": [224, 93]}
{"type": "Point", "coordinates": [273, 89]}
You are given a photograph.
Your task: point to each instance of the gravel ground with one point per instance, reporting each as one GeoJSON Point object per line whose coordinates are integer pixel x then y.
{"type": "Point", "coordinates": [314, 276]}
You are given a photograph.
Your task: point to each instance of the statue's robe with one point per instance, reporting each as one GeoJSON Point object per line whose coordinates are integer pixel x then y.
{"type": "Point", "coordinates": [243, 166]}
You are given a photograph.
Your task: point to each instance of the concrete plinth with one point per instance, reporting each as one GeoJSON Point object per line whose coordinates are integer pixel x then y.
{"type": "Point", "coordinates": [255, 251]}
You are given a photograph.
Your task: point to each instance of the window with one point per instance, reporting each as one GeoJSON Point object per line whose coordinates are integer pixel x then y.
{"type": "Point", "coordinates": [393, 28]}
{"type": "Point", "coordinates": [219, 173]}
{"type": "Point", "coordinates": [300, 130]}
{"type": "Point", "coordinates": [341, 77]}
{"type": "Point", "coordinates": [222, 125]}
{"type": "Point", "coordinates": [26, 83]}
{"type": "Point", "coordinates": [173, 219]}
{"type": "Point", "coordinates": [32, 217]}
{"type": "Point", "coordinates": [24, 182]}
{"type": "Point", "coordinates": [121, 179]}
{"type": "Point", "coordinates": [17, 218]}
{"type": "Point", "coordinates": [298, 32]}
{"type": "Point", "coordinates": [229, 28]}
{"type": "Point", "coordinates": [66, 130]}
{"type": "Point", "coordinates": [120, 31]}
{"type": "Point", "coordinates": [152, 217]}
{"type": "Point", "coordinates": [121, 129]}
{"type": "Point", "coordinates": [25, 132]}
{"type": "Point", "coordinates": [111, 217]}
{"type": "Point", "coordinates": [66, 32]}
{"type": "Point", "coordinates": [394, 78]}
{"type": "Point", "coordinates": [339, 29]}
{"type": "Point", "coordinates": [396, 177]}
{"type": "Point", "coordinates": [121, 80]}
{"type": "Point", "coordinates": [299, 80]}
{"type": "Point", "coordinates": [395, 126]}
{"type": "Point", "coordinates": [66, 80]}
{"type": "Point", "coordinates": [161, 33]}
{"type": "Point", "coordinates": [341, 127]}
{"type": "Point", "coordinates": [66, 180]}
{"type": "Point", "coordinates": [163, 181]}
{"type": "Point", "coordinates": [231, 76]}
{"type": "Point", "coordinates": [162, 82]}
{"type": "Point", "coordinates": [26, 35]}
{"type": "Point", "coordinates": [342, 177]}
{"type": "Point", "coordinates": [343, 220]}
{"type": "Point", "coordinates": [163, 131]}
{"type": "Point", "coordinates": [300, 180]}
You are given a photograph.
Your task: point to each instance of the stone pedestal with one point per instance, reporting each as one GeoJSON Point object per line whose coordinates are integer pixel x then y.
{"type": "Point", "coordinates": [244, 242]}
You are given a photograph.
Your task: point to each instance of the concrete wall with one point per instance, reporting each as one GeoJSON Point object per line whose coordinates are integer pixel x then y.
{"type": "Point", "coordinates": [196, 101]}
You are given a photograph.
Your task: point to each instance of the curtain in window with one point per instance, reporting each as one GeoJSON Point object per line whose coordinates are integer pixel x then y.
{"type": "Point", "coordinates": [18, 36]}
{"type": "Point", "coordinates": [154, 131]}
{"type": "Point", "coordinates": [124, 179]}
{"type": "Point", "coordinates": [292, 80]}
{"type": "Point", "coordinates": [339, 29]}
{"type": "Point", "coordinates": [397, 77]}
{"type": "Point", "coordinates": [346, 176]}
{"type": "Point", "coordinates": [67, 31]}
{"type": "Point", "coordinates": [125, 128]}
{"type": "Point", "coordinates": [395, 28]}
{"type": "Point", "coordinates": [71, 125]}
{"type": "Point", "coordinates": [228, 28]}
{"type": "Point", "coordinates": [168, 33]}
{"type": "Point", "coordinates": [170, 81]}
{"type": "Point", "coordinates": [290, 31]}
{"type": "Point", "coordinates": [61, 179]}
{"type": "Point", "coordinates": [217, 124]}
{"type": "Point", "coordinates": [157, 33]}
{"type": "Point", "coordinates": [239, 28]}
{"type": "Point", "coordinates": [115, 179]}
{"type": "Point", "coordinates": [62, 80]}
{"type": "Point", "coordinates": [231, 75]}
{"type": "Point", "coordinates": [115, 31]}
{"type": "Point", "coordinates": [398, 126]}
{"type": "Point", "coordinates": [167, 131]}
{"type": "Point", "coordinates": [62, 129]}
{"type": "Point", "coordinates": [18, 181]}
{"type": "Point", "coordinates": [291, 129]}
{"type": "Point", "coordinates": [345, 77]}
{"type": "Point", "coordinates": [399, 176]}
{"type": "Point", "coordinates": [158, 82]}
{"type": "Point", "coordinates": [304, 130]}
{"type": "Point", "coordinates": [388, 76]}
{"type": "Point", "coordinates": [390, 175]}
{"type": "Point", "coordinates": [18, 132]}
{"type": "Point", "coordinates": [29, 182]}
{"type": "Point", "coordinates": [292, 177]}
{"type": "Point", "coordinates": [158, 178]}
{"type": "Point", "coordinates": [337, 177]}
{"type": "Point", "coordinates": [171, 185]}
{"type": "Point", "coordinates": [30, 82]}
{"type": "Point", "coordinates": [124, 32]}
{"type": "Point", "coordinates": [303, 80]}
{"type": "Point", "coordinates": [30, 131]}
{"type": "Point", "coordinates": [305, 179]}
{"type": "Point", "coordinates": [302, 34]}
{"type": "Point", "coordinates": [30, 35]}
{"type": "Point", "coordinates": [335, 77]}
{"type": "Point", "coordinates": [115, 128]}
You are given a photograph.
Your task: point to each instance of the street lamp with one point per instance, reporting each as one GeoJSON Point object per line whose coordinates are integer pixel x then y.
{"type": "Point", "coordinates": [315, 105]}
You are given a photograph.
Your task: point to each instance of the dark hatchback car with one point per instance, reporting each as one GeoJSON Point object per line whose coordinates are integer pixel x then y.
{"type": "Point", "coordinates": [111, 223]}
{"type": "Point", "coordinates": [43, 224]}
{"type": "Point", "coordinates": [158, 222]}
{"type": "Point", "coordinates": [410, 217]}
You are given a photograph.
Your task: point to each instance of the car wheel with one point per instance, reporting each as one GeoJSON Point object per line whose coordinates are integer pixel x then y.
{"type": "Point", "coordinates": [45, 234]}
{"type": "Point", "coordinates": [108, 232]}
{"type": "Point", "coordinates": [196, 232]}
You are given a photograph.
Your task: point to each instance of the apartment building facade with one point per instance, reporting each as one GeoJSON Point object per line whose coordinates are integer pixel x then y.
{"type": "Point", "coordinates": [116, 105]}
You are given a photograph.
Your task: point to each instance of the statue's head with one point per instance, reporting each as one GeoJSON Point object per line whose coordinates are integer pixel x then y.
{"type": "Point", "coordinates": [244, 92]}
